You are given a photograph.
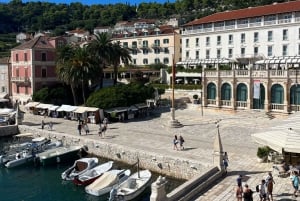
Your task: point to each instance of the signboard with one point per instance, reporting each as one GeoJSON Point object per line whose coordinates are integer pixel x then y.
{"type": "Point", "coordinates": [256, 89]}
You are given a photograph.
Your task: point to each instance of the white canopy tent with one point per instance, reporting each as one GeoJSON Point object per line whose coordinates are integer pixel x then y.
{"type": "Point", "coordinates": [66, 108]}
{"type": "Point", "coordinates": [279, 140]}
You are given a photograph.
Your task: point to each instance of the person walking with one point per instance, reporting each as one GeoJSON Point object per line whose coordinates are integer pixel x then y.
{"type": "Point", "coordinates": [262, 190]}
{"type": "Point", "coordinates": [86, 129]}
{"type": "Point", "coordinates": [50, 125]}
{"type": "Point", "coordinates": [295, 182]}
{"type": "Point", "coordinates": [239, 180]}
{"type": "Point", "coordinates": [225, 164]}
{"type": "Point", "coordinates": [181, 141]}
{"type": "Point", "coordinates": [79, 127]}
{"type": "Point", "coordinates": [269, 183]}
{"type": "Point", "coordinates": [43, 124]}
{"type": "Point", "coordinates": [175, 142]}
{"type": "Point", "coordinates": [239, 193]}
{"type": "Point", "coordinates": [248, 193]}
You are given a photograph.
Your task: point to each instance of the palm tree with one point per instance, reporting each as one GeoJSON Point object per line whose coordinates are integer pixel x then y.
{"type": "Point", "coordinates": [101, 51]}
{"type": "Point", "coordinates": [119, 53]}
{"type": "Point", "coordinates": [64, 68]}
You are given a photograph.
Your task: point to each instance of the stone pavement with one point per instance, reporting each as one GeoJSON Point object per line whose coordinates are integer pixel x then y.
{"type": "Point", "coordinates": [153, 134]}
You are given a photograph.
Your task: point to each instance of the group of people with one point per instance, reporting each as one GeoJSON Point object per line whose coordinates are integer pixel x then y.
{"type": "Point", "coordinates": [265, 189]}
{"type": "Point", "coordinates": [103, 127]}
{"type": "Point", "coordinates": [83, 126]}
{"type": "Point", "coordinates": [177, 141]}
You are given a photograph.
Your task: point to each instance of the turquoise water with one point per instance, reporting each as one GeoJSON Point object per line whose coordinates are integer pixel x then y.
{"type": "Point", "coordinates": [38, 183]}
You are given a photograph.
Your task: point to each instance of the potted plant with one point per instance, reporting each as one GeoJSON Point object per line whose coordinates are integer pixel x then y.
{"type": "Point", "coordinates": [262, 153]}
{"type": "Point", "coordinates": [196, 100]}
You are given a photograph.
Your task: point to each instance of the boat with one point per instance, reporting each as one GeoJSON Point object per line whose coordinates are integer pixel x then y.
{"type": "Point", "coordinates": [61, 154]}
{"type": "Point", "coordinates": [80, 166]}
{"type": "Point", "coordinates": [28, 154]}
{"type": "Point", "coordinates": [91, 175]}
{"type": "Point", "coordinates": [132, 187]}
{"type": "Point", "coordinates": [109, 180]}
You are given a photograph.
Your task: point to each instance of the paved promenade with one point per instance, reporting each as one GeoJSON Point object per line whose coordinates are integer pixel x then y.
{"type": "Point", "coordinates": [154, 134]}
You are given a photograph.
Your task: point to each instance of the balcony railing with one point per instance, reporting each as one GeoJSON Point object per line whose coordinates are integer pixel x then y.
{"type": "Point", "coordinates": [156, 45]}
{"type": "Point", "coordinates": [20, 79]}
{"type": "Point", "coordinates": [275, 106]}
{"type": "Point", "coordinates": [241, 104]}
{"type": "Point", "coordinates": [226, 103]}
{"type": "Point", "coordinates": [211, 101]}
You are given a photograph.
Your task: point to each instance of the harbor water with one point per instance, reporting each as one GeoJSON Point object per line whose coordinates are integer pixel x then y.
{"type": "Point", "coordinates": [36, 183]}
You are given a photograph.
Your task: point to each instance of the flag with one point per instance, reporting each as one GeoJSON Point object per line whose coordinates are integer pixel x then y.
{"type": "Point", "coordinates": [256, 89]}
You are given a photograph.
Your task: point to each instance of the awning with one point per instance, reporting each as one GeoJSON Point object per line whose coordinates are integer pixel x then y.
{"type": "Point", "coordinates": [81, 109]}
{"type": "Point", "coordinates": [43, 106]}
{"type": "Point", "coordinates": [205, 61]}
{"type": "Point", "coordinates": [66, 108]}
{"type": "Point", "coordinates": [279, 140]}
{"type": "Point", "coordinates": [31, 104]}
{"type": "Point", "coordinates": [117, 110]}
{"type": "Point", "coordinates": [53, 107]}
{"type": "Point", "coordinates": [280, 60]}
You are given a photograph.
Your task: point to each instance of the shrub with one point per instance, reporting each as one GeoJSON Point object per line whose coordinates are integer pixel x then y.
{"type": "Point", "coordinates": [263, 152]}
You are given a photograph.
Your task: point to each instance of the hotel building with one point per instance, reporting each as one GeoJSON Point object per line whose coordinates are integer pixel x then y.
{"type": "Point", "coordinates": [250, 57]}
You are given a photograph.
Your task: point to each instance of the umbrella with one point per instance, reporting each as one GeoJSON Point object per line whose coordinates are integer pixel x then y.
{"type": "Point", "coordinates": [279, 140]}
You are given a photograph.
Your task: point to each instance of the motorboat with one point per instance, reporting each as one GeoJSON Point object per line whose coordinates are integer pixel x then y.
{"type": "Point", "coordinates": [61, 154]}
{"type": "Point", "coordinates": [109, 180]}
{"type": "Point", "coordinates": [132, 187]}
{"type": "Point", "coordinates": [80, 166]}
{"type": "Point", "coordinates": [91, 175]}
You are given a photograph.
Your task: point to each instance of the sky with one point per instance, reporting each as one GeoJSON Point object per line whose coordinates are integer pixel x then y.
{"type": "Point", "coordinates": [92, 2]}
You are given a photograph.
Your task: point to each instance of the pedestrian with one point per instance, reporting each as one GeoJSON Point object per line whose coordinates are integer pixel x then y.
{"type": "Point", "coordinates": [239, 193]}
{"type": "Point", "coordinates": [225, 156]}
{"type": "Point", "coordinates": [104, 129]}
{"type": "Point", "coordinates": [181, 141]}
{"type": "Point", "coordinates": [262, 190]}
{"type": "Point", "coordinates": [225, 164]}
{"type": "Point", "coordinates": [175, 142]}
{"type": "Point", "coordinates": [248, 193]}
{"type": "Point", "coordinates": [269, 183]}
{"type": "Point", "coordinates": [100, 130]}
{"type": "Point", "coordinates": [239, 180]}
{"type": "Point", "coordinates": [105, 122]}
{"type": "Point", "coordinates": [86, 128]}
{"type": "Point", "coordinates": [43, 124]}
{"type": "Point", "coordinates": [295, 182]}
{"type": "Point", "coordinates": [79, 127]}
{"type": "Point", "coordinates": [50, 125]}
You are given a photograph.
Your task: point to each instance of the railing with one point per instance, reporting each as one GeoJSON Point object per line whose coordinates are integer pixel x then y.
{"type": "Point", "coordinates": [20, 79]}
{"type": "Point", "coordinates": [270, 22]}
{"type": "Point", "coordinates": [242, 25]}
{"type": "Point", "coordinates": [211, 102]}
{"type": "Point", "coordinates": [282, 21]}
{"type": "Point", "coordinates": [278, 73]}
{"type": "Point", "coordinates": [242, 73]}
{"type": "Point", "coordinates": [230, 27]}
{"type": "Point", "coordinates": [241, 104]}
{"type": "Point", "coordinates": [255, 24]}
{"type": "Point", "coordinates": [211, 73]}
{"type": "Point", "coordinates": [226, 103]}
{"type": "Point", "coordinates": [276, 106]}
{"type": "Point", "coordinates": [295, 108]}
{"type": "Point", "coordinates": [226, 73]}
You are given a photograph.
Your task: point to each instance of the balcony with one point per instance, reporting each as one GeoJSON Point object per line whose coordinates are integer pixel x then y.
{"type": "Point", "coordinates": [156, 46]}
{"type": "Point", "coordinates": [144, 46]}
{"type": "Point", "coordinates": [20, 79]}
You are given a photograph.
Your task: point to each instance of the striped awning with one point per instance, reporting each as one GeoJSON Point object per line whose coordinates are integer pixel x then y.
{"type": "Point", "coordinates": [205, 61]}
{"type": "Point", "coordinates": [280, 60]}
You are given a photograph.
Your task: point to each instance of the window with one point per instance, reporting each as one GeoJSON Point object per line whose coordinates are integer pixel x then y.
{"type": "Point", "coordinates": [60, 43]}
{"type": "Point", "coordinates": [166, 60]}
{"type": "Point", "coordinates": [44, 72]}
{"type": "Point", "coordinates": [17, 72]}
{"type": "Point", "coordinates": [243, 51]}
{"type": "Point", "coordinates": [186, 42]}
{"type": "Point", "coordinates": [298, 49]}
{"type": "Point", "coordinates": [207, 41]}
{"type": "Point", "coordinates": [156, 51]}
{"type": "Point", "coordinates": [26, 72]}
{"type": "Point", "coordinates": [3, 89]}
{"type": "Point", "coordinates": [145, 61]}
{"type": "Point", "coordinates": [25, 57]}
{"type": "Point", "coordinates": [166, 50]}
{"type": "Point", "coordinates": [270, 51]}
{"type": "Point", "coordinates": [270, 35]}
{"type": "Point", "coordinates": [197, 54]}
{"type": "Point", "coordinates": [218, 53]}
{"type": "Point", "coordinates": [44, 57]}
{"type": "Point", "coordinates": [166, 41]}
{"type": "Point", "coordinates": [17, 58]}
{"type": "Point", "coordinates": [187, 54]}
{"type": "Point", "coordinates": [230, 52]}
{"type": "Point", "coordinates": [243, 38]}
{"type": "Point", "coordinates": [207, 54]}
{"type": "Point", "coordinates": [26, 89]}
{"type": "Point", "coordinates": [197, 42]}
{"type": "Point", "coordinates": [134, 44]}
{"type": "Point", "coordinates": [157, 43]}
{"type": "Point", "coordinates": [145, 51]}
{"type": "Point", "coordinates": [284, 50]}
{"type": "Point", "coordinates": [255, 51]}
{"type": "Point", "coordinates": [256, 38]}
{"type": "Point", "coordinates": [134, 52]}
{"type": "Point", "coordinates": [230, 39]}
{"type": "Point", "coordinates": [18, 89]}
{"type": "Point", "coordinates": [284, 34]}
{"type": "Point", "coordinates": [146, 33]}
{"type": "Point", "coordinates": [145, 43]}
{"type": "Point", "coordinates": [157, 61]}
{"type": "Point", "coordinates": [134, 61]}
{"type": "Point", "coordinates": [218, 40]}
{"type": "Point", "coordinates": [125, 44]}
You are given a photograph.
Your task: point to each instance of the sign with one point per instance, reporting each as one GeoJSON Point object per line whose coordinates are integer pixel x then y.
{"type": "Point", "coordinates": [256, 89]}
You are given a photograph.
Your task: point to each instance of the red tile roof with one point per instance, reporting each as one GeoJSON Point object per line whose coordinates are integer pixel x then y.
{"type": "Point", "coordinates": [275, 8]}
{"type": "Point", "coordinates": [41, 42]}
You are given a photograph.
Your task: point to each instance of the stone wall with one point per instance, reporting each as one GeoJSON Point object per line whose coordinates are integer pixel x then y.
{"type": "Point", "coordinates": [8, 130]}
{"type": "Point", "coordinates": [166, 165]}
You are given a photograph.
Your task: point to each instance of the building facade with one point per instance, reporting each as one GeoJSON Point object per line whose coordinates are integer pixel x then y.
{"type": "Point", "coordinates": [250, 57]}
{"type": "Point", "coordinates": [5, 70]}
{"type": "Point", "coordinates": [33, 66]}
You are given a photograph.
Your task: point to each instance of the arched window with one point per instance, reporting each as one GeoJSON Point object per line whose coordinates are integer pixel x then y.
{"type": "Point", "coordinates": [242, 92]}
{"type": "Point", "coordinates": [277, 94]}
{"type": "Point", "coordinates": [211, 91]}
{"type": "Point", "coordinates": [225, 92]}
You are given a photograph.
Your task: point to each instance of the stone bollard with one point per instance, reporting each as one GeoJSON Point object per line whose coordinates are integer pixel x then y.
{"type": "Point", "coordinates": [158, 191]}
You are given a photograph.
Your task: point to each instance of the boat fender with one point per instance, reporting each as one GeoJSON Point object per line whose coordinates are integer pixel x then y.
{"type": "Point", "coordinates": [57, 159]}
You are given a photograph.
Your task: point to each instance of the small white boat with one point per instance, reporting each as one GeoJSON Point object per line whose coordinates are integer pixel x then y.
{"type": "Point", "coordinates": [80, 166]}
{"type": "Point", "coordinates": [91, 175]}
{"type": "Point", "coordinates": [132, 187]}
{"type": "Point", "coordinates": [107, 182]}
